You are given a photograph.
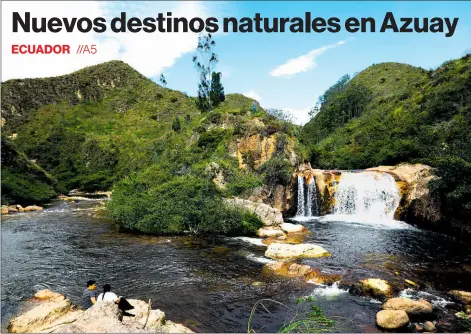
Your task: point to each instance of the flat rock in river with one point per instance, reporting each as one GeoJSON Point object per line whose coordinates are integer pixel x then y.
{"type": "Point", "coordinates": [461, 296]}
{"type": "Point", "coordinates": [288, 251]}
{"type": "Point", "coordinates": [410, 306]}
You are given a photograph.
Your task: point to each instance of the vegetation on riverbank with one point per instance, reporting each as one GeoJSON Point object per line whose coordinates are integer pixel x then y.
{"type": "Point", "coordinates": [392, 113]}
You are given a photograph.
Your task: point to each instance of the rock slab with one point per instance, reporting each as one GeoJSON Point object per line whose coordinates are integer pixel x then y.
{"type": "Point", "coordinates": [410, 306]}
{"type": "Point", "coordinates": [287, 251]}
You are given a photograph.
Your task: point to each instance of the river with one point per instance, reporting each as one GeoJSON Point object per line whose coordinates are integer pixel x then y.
{"type": "Point", "coordinates": [211, 284]}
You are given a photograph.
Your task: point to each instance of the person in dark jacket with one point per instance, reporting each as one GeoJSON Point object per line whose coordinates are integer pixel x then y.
{"type": "Point", "coordinates": [89, 295]}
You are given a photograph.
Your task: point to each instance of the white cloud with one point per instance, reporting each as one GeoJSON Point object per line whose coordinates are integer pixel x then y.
{"type": "Point", "coordinates": [301, 115]}
{"type": "Point", "coordinates": [253, 95]}
{"type": "Point", "coordinates": [149, 53]}
{"type": "Point", "coordinates": [302, 63]}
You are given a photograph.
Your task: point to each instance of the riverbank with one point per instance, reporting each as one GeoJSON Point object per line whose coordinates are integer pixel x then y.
{"type": "Point", "coordinates": [54, 313]}
{"type": "Point", "coordinates": [210, 284]}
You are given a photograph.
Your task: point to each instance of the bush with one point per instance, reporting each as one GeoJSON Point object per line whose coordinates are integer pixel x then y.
{"type": "Point", "coordinates": [156, 202]}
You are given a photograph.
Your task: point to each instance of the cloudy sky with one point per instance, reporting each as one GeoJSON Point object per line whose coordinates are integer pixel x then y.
{"type": "Point", "coordinates": [281, 70]}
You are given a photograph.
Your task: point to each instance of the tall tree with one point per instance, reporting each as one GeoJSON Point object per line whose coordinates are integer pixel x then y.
{"type": "Point", "coordinates": [217, 90]}
{"type": "Point", "coordinates": [205, 61]}
{"type": "Point", "coordinates": [162, 80]}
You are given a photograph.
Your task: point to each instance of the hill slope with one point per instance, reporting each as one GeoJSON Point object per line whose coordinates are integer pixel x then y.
{"type": "Point", "coordinates": [108, 126]}
{"type": "Point", "coordinates": [393, 113]}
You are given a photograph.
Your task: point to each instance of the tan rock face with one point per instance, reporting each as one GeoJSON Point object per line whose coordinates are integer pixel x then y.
{"type": "Point", "coordinates": [268, 215]}
{"type": "Point", "coordinates": [46, 294]}
{"type": "Point", "coordinates": [461, 296]}
{"type": "Point", "coordinates": [291, 269]}
{"type": "Point", "coordinates": [410, 306]}
{"type": "Point", "coordinates": [33, 208]}
{"type": "Point", "coordinates": [415, 193]}
{"type": "Point", "coordinates": [103, 317]}
{"type": "Point", "coordinates": [255, 150]}
{"type": "Point", "coordinates": [392, 319]}
{"type": "Point", "coordinates": [4, 210]}
{"type": "Point", "coordinates": [292, 228]}
{"type": "Point", "coordinates": [40, 317]}
{"type": "Point", "coordinates": [373, 287]}
{"type": "Point", "coordinates": [269, 232]}
{"type": "Point", "coordinates": [288, 251]}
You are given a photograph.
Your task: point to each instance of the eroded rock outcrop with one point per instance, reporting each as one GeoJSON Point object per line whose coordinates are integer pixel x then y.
{"type": "Point", "coordinates": [55, 314]}
{"type": "Point", "coordinates": [268, 215]}
{"type": "Point", "coordinates": [292, 269]}
{"type": "Point", "coordinates": [372, 287]}
{"type": "Point", "coordinates": [287, 251]}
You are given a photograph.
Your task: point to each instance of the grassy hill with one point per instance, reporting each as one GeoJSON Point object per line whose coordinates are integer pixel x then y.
{"type": "Point", "coordinates": [23, 180]}
{"type": "Point", "coordinates": [392, 113]}
{"type": "Point", "coordinates": [107, 126]}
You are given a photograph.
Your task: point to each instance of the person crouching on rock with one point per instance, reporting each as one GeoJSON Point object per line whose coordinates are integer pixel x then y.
{"type": "Point", "coordinates": [107, 295]}
{"type": "Point", "coordinates": [89, 295]}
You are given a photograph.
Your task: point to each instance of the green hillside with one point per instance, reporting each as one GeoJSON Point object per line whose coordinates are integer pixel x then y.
{"type": "Point", "coordinates": [392, 113]}
{"type": "Point", "coordinates": [23, 181]}
{"type": "Point", "coordinates": [107, 126]}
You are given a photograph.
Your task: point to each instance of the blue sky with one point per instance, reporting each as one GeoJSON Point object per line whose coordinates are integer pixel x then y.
{"type": "Point", "coordinates": [249, 58]}
{"type": "Point", "coordinates": [254, 64]}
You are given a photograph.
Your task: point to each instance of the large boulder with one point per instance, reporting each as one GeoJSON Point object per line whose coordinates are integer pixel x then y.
{"type": "Point", "coordinates": [291, 269]}
{"type": "Point", "coordinates": [268, 215]}
{"type": "Point", "coordinates": [4, 210]}
{"type": "Point", "coordinates": [40, 317]}
{"type": "Point", "coordinates": [270, 232]}
{"type": "Point", "coordinates": [461, 296]}
{"type": "Point", "coordinates": [392, 319]}
{"type": "Point", "coordinates": [410, 306]}
{"type": "Point", "coordinates": [372, 287]}
{"type": "Point", "coordinates": [46, 294]}
{"type": "Point", "coordinates": [288, 251]}
{"type": "Point", "coordinates": [33, 208]}
{"type": "Point", "coordinates": [292, 228]}
{"type": "Point", "coordinates": [60, 316]}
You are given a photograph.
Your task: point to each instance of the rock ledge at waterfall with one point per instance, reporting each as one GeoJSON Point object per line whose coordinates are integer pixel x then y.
{"type": "Point", "coordinates": [282, 251]}
{"type": "Point", "coordinates": [56, 314]}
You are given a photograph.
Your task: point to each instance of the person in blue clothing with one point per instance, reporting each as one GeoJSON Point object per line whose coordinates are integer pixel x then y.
{"type": "Point", "coordinates": [89, 295]}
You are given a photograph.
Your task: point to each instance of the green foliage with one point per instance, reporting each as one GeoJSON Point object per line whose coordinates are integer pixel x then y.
{"type": "Point", "coordinates": [23, 182]}
{"type": "Point", "coordinates": [242, 182]}
{"type": "Point", "coordinates": [312, 321]}
{"type": "Point", "coordinates": [176, 126]}
{"type": "Point", "coordinates": [275, 171]}
{"type": "Point", "coordinates": [157, 201]}
{"type": "Point", "coordinates": [217, 90]}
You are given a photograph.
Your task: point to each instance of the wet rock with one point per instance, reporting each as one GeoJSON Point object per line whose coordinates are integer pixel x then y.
{"type": "Point", "coordinates": [373, 287]}
{"type": "Point", "coordinates": [392, 319]}
{"type": "Point", "coordinates": [418, 328]}
{"type": "Point", "coordinates": [288, 251]}
{"type": "Point", "coordinates": [46, 294]}
{"type": "Point", "coordinates": [429, 326]}
{"type": "Point", "coordinates": [461, 296]}
{"type": "Point", "coordinates": [410, 306]}
{"type": "Point", "coordinates": [33, 208]}
{"type": "Point", "coordinates": [270, 232]}
{"type": "Point", "coordinates": [12, 208]}
{"type": "Point", "coordinates": [292, 228]}
{"type": "Point", "coordinates": [20, 208]}
{"type": "Point", "coordinates": [467, 309]}
{"type": "Point", "coordinates": [268, 215]}
{"type": "Point", "coordinates": [291, 269]}
{"type": "Point", "coordinates": [4, 210]}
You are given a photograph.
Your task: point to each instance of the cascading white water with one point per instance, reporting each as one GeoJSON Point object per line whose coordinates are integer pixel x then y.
{"type": "Point", "coordinates": [307, 199]}
{"type": "Point", "coordinates": [300, 211]}
{"type": "Point", "coordinates": [366, 196]}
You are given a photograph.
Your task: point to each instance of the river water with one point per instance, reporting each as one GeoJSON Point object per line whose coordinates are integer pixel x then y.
{"type": "Point", "coordinates": [211, 284]}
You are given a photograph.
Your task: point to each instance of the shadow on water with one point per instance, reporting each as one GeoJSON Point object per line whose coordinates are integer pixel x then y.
{"type": "Point", "coordinates": [208, 283]}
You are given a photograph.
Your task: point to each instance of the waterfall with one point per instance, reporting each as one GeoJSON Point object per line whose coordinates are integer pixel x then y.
{"type": "Point", "coordinates": [366, 196]}
{"type": "Point", "coordinates": [307, 198]}
{"type": "Point", "coordinates": [300, 211]}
